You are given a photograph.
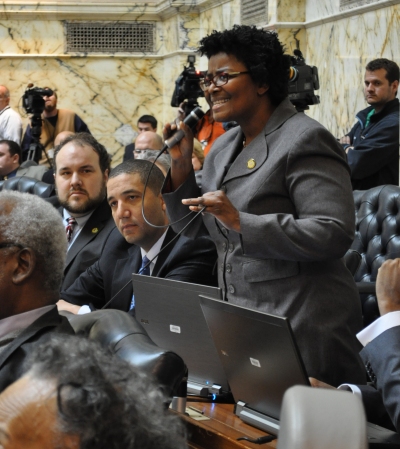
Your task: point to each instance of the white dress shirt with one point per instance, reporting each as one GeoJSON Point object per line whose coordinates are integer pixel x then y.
{"type": "Point", "coordinates": [153, 252]}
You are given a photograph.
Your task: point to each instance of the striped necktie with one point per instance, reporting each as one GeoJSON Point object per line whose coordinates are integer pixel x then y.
{"type": "Point", "coordinates": [70, 227]}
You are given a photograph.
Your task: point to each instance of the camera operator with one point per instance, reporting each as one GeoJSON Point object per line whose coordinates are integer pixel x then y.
{"type": "Point", "coordinates": [54, 121]}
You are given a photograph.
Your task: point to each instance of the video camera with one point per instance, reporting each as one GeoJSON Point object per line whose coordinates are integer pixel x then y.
{"type": "Point", "coordinates": [303, 80]}
{"type": "Point", "coordinates": [33, 103]}
{"type": "Point", "coordinates": [32, 99]}
{"type": "Point", "coordinates": [187, 87]}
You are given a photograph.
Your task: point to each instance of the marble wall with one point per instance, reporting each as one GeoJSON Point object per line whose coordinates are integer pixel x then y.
{"type": "Point", "coordinates": [111, 91]}
{"type": "Point", "coordinates": [341, 48]}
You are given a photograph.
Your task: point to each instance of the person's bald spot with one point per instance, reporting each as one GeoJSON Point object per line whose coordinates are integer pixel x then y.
{"type": "Point", "coordinates": [62, 136]}
{"type": "Point", "coordinates": [148, 140]}
{"type": "Point", "coordinates": [5, 207]}
{"type": "Point", "coordinates": [29, 416]}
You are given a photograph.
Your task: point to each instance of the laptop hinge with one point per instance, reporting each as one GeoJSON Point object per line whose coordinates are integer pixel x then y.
{"type": "Point", "coordinates": [198, 389]}
{"type": "Point", "coordinates": [256, 419]}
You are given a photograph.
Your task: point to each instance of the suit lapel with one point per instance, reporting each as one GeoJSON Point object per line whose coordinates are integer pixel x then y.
{"type": "Point", "coordinates": [161, 259]}
{"type": "Point", "coordinates": [225, 157]}
{"type": "Point", "coordinates": [49, 319]}
{"type": "Point", "coordinates": [123, 273]}
{"type": "Point", "coordinates": [93, 226]}
{"type": "Point", "coordinates": [252, 157]}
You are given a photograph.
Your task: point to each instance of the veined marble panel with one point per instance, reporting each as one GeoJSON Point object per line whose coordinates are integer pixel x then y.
{"type": "Point", "coordinates": [31, 37]}
{"type": "Point", "coordinates": [341, 50]}
{"type": "Point", "coordinates": [290, 10]}
{"type": "Point", "coordinates": [108, 94]}
{"type": "Point", "coordinates": [220, 18]}
{"type": "Point", "coordinates": [316, 9]}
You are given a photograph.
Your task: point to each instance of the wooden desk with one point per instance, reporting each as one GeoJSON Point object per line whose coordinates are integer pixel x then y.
{"type": "Point", "coordinates": [222, 430]}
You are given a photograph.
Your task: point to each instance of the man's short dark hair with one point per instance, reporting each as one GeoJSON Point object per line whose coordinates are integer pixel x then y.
{"type": "Point", "coordinates": [13, 148]}
{"type": "Point", "coordinates": [142, 168]}
{"type": "Point", "coordinates": [260, 51]}
{"type": "Point", "coordinates": [392, 69]}
{"type": "Point", "coordinates": [86, 139]}
{"type": "Point", "coordinates": [148, 119]}
{"type": "Point", "coordinates": [102, 398]}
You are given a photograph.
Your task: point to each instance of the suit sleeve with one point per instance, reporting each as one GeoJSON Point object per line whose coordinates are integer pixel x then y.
{"type": "Point", "coordinates": [378, 149]}
{"type": "Point", "coordinates": [382, 360]}
{"type": "Point", "coordinates": [88, 288]}
{"type": "Point", "coordinates": [179, 214]}
{"type": "Point", "coordinates": [318, 183]}
{"type": "Point", "coordinates": [192, 261]}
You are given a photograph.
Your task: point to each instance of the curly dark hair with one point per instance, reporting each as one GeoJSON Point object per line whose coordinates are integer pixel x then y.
{"type": "Point", "coordinates": [103, 399]}
{"type": "Point", "coordinates": [86, 139]}
{"type": "Point", "coordinates": [260, 51]}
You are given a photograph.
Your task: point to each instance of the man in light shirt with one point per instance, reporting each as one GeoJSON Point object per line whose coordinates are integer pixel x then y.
{"type": "Point", "coordinates": [32, 254]}
{"type": "Point", "coordinates": [10, 120]}
{"type": "Point", "coordinates": [381, 352]}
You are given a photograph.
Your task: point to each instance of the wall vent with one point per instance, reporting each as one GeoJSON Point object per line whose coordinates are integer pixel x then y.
{"type": "Point", "coordinates": [254, 12]}
{"type": "Point", "coordinates": [106, 37]}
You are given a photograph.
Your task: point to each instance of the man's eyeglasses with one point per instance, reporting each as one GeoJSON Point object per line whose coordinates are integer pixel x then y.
{"type": "Point", "coordinates": [220, 79]}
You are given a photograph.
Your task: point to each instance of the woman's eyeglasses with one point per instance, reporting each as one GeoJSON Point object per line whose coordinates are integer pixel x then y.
{"type": "Point", "coordinates": [218, 80]}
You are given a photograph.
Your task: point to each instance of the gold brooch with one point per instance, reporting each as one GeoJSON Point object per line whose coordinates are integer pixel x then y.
{"type": "Point", "coordinates": [251, 163]}
{"type": "Point", "coordinates": [95, 231]}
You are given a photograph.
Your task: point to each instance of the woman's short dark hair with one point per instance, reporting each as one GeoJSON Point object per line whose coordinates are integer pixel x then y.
{"type": "Point", "coordinates": [260, 51]}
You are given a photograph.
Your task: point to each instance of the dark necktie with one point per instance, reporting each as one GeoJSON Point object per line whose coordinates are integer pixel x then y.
{"type": "Point", "coordinates": [145, 270]}
{"type": "Point", "coordinates": [70, 227]}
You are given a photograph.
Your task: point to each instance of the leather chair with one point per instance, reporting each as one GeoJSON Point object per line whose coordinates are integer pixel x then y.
{"type": "Point", "coordinates": [127, 338]}
{"type": "Point", "coordinates": [28, 185]}
{"type": "Point", "coordinates": [316, 418]}
{"type": "Point", "coordinates": [377, 239]}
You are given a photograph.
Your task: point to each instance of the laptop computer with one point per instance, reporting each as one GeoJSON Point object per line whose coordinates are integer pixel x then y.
{"type": "Point", "coordinates": [260, 358]}
{"type": "Point", "coordinates": [261, 361]}
{"type": "Point", "coordinates": [170, 312]}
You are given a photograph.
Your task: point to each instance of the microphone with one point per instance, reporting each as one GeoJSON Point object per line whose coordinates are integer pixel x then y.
{"type": "Point", "coordinates": [191, 120]}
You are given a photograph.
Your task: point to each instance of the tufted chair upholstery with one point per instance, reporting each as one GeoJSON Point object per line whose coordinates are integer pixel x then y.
{"type": "Point", "coordinates": [127, 338]}
{"type": "Point", "coordinates": [28, 185]}
{"type": "Point", "coordinates": [377, 238]}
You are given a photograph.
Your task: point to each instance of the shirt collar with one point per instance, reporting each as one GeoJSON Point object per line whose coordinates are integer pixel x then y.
{"type": "Point", "coordinates": [22, 320]}
{"type": "Point", "coordinates": [154, 250]}
{"type": "Point", "coordinates": [11, 174]}
{"type": "Point", "coordinates": [81, 221]}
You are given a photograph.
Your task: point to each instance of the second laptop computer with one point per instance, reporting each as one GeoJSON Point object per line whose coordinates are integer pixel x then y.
{"type": "Point", "coordinates": [171, 314]}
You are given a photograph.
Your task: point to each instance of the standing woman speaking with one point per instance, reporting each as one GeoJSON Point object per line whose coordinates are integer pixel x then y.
{"type": "Point", "coordinates": [278, 202]}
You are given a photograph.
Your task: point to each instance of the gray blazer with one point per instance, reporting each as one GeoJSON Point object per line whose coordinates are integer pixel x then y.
{"type": "Point", "coordinates": [292, 187]}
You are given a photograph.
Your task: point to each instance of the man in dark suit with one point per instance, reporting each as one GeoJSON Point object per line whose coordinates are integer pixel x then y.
{"type": "Point", "coordinates": [381, 353]}
{"type": "Point", "coordinates": [170, 256]}
{"type": "Point", "coordinates": [10, 163]}
{"type": "Point", "coordinates": [81, 171]}
{"type": "Point", "coordinates": [32, 254]}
